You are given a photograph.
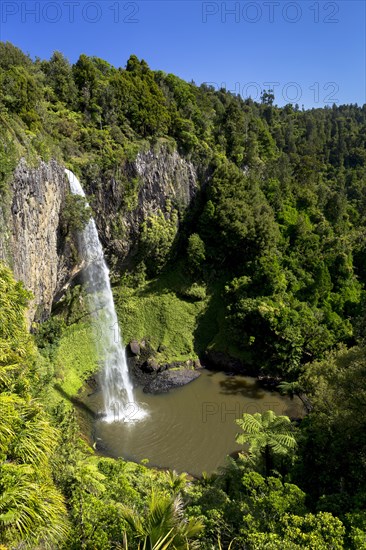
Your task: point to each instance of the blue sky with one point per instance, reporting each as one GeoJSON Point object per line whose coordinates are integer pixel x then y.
{"type": "Point", "coordinates": [313, 50]}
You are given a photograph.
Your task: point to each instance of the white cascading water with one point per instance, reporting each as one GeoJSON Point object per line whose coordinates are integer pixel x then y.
{"type": "Point", "coordinates": [118, 395]}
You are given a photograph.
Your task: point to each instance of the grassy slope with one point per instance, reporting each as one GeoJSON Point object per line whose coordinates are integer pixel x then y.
{"type": "Point", "coordinates": [74, 361]}
{"type": "Point", "coordinates": [160, 311]}
{"type": "Point", "coordinates": [164, 319]}
{"type": "Point", "coordinates": [152, 311]}
{"type": "Point", "coordinates": [75, 358]}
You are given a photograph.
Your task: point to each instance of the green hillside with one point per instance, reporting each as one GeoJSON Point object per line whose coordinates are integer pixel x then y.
{"type": "Point", "coordinates": [268, 266]}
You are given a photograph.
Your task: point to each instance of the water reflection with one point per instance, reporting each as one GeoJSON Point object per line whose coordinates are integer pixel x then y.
{"type": "Point", "coordinates": [238, 385]}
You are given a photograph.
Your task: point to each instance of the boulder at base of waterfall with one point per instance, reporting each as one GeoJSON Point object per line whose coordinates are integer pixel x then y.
{"type": "Point", "coordinates": [151, 365]}
{"type": "Point", "coordinates": [197, 364]}
{"type": "Point", "coordinates": [134, 347]}
{"type": "Point", "coordinates": [170, 379]}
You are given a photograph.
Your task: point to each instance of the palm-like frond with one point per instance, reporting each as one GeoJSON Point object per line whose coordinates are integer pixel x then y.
{"type": "Point", "coordinates": [290, 388]}
{"type": "Point", "coordinates": [132, 518]}
{"type": "Point", "coordinates": [35, 438]}
{"type": "Point", "coordinates": [175, 481]}
{"type": "Point", "coordinates": [31, 509]}
{"type": "Point", "coordinates": [162, 544]}
{"type": "Point", "coordinates": [269, 417]}
{"type": "Point", "coordinates": [266, 431]}
{"type": "Point", "coordinates": [250, 423]}
{"type": "Point", "coordinates": [164, 525]}
{"type": "Point", "coordinates": [9, 416]}
{"type": "Point", "coordinates": [281, 443]}
{"type": "Point", "coordinates": [89, 477]}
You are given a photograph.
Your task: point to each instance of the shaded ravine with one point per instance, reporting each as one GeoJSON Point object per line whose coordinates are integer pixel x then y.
{"type": "Point", "coordinates": [117, 390]}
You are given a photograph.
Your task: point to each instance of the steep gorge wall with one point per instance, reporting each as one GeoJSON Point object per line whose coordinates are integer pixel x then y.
{"type": "Point", "coordinates": [162, 178]}
{"type": "Point", "coordinates": [30, 238]}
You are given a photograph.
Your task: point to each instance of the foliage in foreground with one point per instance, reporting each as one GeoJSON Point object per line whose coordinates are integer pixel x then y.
{"type": "Point", "coordinates": [55, 493]}
{"type": "Point", "coordinates": [32, 509]}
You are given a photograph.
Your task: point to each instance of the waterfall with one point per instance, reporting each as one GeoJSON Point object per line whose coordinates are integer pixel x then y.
{"type": "Point", "coordinates": [116, 385]}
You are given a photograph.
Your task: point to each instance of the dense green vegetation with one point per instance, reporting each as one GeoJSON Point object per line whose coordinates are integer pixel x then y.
{"type": "Point", "coordinates": [55, 493]}
{"type": "Point", "coordinates": [268, 265]}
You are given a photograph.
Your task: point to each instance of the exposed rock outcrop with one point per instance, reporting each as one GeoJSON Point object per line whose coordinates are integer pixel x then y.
{"type": "Point", "coordinates": [29, 237]}
{"type": "Point", "coordinates": [134, 347]}
{"type": "Point", "coordinates": [159, 377]}
{"type": "Point", "coordinates": [170, 379]}
{"type": "Point", "coordinates": [161, 177]}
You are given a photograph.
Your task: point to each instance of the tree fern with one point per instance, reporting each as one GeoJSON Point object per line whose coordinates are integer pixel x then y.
{"type": "Point", "coordinates": [266, 433]}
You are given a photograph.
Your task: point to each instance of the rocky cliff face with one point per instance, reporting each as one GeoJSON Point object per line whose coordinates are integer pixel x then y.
{"type": "Point", "coordinates": [29, 237]}
{"type": "Point", "coordinates": [155, 179]}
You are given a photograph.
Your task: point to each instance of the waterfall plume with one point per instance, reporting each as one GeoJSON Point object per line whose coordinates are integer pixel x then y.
{"type": "Point", "coordinates": [116, 385]}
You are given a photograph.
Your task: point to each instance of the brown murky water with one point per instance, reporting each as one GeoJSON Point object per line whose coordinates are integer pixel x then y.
{"type": "Point", "coordinates": [191, 428]}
